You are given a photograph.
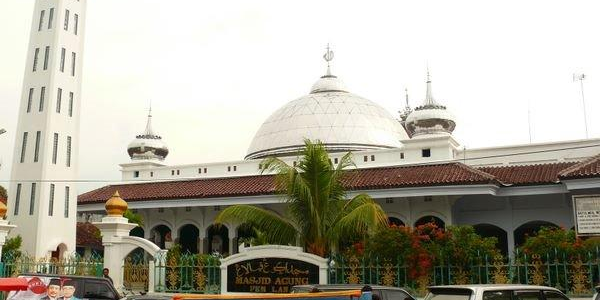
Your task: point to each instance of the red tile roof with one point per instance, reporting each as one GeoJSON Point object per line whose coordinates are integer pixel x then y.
{"type": "Point", "coordinates": [421, 175]}
{"type": "Point", "coordinates": [185, 189]}
{"type": "Point", "coordinates": [585, 169]}
{"type": "Point", "coordinates": [375, 178]}
{"type": "Point", "coordinates": [528, 174]}
{"type": "Point", "coordinates": [88, 235]}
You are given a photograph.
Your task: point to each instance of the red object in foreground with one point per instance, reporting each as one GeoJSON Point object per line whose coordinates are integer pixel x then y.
{"type": "Point", "coordinates": [13, 284]}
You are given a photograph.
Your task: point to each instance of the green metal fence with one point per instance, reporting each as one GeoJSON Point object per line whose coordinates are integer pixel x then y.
{"type": "Point", "coordinates": [575, 275]}
{"type": "Point", "coordinates": [16, 264]}
{"type": "Point", "coordinates": [188, 273]}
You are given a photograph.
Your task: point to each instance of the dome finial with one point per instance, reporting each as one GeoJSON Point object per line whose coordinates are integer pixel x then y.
{"type": "Point", "coordinates": [148, 130]}
{"type": "Point", "coordinates": [328, 57]}
{"type": "Point", "coordinates": [429, 100]}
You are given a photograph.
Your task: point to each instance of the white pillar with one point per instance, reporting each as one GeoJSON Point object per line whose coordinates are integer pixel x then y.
{"type": "Point", "coordinates": [5, 228]}
{"type": "Point", "coordinates": [113, 228]}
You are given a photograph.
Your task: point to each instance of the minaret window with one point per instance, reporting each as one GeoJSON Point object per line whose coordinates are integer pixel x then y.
{"type": "Point", "coordinates": [55, 148]}
{"type": "Point", "coordinates": [62, 59]}
{"type": "Point", "coordinates": [17, 199]}
{"type": "Point", "coordinates": [68, 151]}
{"type": "Point", "coordinates": [136, 174]}
{"type": "Point", "coordinates": [32, 199]}
{"type": "Point", "coordinates": [41, 20]}
{"type": "Point", "coordinates": [50, 18]}
{"type": "Point", "coordinates": [35, 58]}
{"type": "Point", "coordinates": [73, 56]}
{"type": "Point", "coordinates": [36, 153]}
{"type": "Point", "coordinates": [51, 201]}
{"type": "Point", "coordinates": [46, 56]}
{"type": "Point", "coordinates": [426, 152]}
{"type": "Point", "coordinates": [66, 19]}
{"type": "Point", "coordinates": [76, 21]}
{"type": "Point", "coordinates": [401, 155]}
{"type": "Point", "coordinates": [58, 100]}
{"type": "Point", "coordinates": [70, 104]}
{"type": "Point", "coordinates": [30, 99]}
{"type": "Point", "coordinates": [24, 147]}
{"type": "Point", "coordinates": [67, 190]}
{"type": "Point", "coordinates": [42, 95]}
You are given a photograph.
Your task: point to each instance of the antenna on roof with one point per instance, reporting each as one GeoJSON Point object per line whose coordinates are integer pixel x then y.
{"type": "Point", "coordinates": [529, 118]}
{"type": "Point", "coordinates": [581, 77]}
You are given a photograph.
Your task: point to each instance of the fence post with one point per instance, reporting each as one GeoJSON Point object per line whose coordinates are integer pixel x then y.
{"type": "Point", "coordinates": [151, 276]}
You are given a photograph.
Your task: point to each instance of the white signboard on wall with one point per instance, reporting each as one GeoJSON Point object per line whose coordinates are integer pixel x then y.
{"type": "Point", "coordinates": [587, 214]}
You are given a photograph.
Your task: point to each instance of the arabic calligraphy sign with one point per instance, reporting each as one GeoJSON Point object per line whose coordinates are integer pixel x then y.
{"type": "Point", "coordinates": [270, 275]}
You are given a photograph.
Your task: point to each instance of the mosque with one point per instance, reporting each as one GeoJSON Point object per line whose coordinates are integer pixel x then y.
{"type": "Point", "coordinates": [412, 165]}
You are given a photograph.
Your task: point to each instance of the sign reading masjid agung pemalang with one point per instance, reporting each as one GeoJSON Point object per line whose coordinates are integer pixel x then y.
{"type": "Point", "coordinates": [271, 269]}
{"type": "Point", "coordinates": [270, 275]}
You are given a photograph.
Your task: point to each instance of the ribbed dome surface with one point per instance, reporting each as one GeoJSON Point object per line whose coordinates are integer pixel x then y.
{"type": "Point", "coordinates": [341, 120]}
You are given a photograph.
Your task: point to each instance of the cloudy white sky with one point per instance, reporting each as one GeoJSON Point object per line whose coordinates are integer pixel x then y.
{"type": "Point", "coordinates": [214, 70]}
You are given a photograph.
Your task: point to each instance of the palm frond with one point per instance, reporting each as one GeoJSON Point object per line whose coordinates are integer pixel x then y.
{"type": "Point", "coordinates": [276, 229]}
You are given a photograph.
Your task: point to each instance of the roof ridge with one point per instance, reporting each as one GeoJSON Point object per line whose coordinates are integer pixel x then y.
{"type": "Point", "coordinates": [579, 165]}
{"type": "Point", "coordinates": [528, 165]}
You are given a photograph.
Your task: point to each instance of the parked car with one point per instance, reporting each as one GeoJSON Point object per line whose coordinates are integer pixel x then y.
{"type": "Point", "coordinates": [83, 287]}
{"type": "Point", "coordinates": [384, 292]}
{"type": "Point", "coordinates": [494, 292]}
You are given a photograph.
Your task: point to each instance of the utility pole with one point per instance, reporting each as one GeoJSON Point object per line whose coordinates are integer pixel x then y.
{"type": "Point", "coordinates": [581, 77]}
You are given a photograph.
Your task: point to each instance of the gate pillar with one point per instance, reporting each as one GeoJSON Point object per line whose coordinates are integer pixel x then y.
{"type": "Point", "coordinates": [116, 240]}
{"type": "Point", "coordinates": [5, 228]}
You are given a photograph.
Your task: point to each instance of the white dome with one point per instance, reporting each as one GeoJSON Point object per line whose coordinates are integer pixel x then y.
{"type": "Point", "coordinates": [148, 145]}
{"type": "Point", "coordinates": [341, 120]}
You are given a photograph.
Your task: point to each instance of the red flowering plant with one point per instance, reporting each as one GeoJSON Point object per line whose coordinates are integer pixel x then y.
{"type": "Point", "coordinates": [426, 245]}
{"type": "Point", "coordinates": [550, 242]}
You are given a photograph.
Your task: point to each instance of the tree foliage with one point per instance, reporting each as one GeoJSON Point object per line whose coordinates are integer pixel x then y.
{"type": "Point", "coordinates": [423, 246]}
{"type": "Point", "coordinates": [134, 218]}
{"type": "Point", "coordinates": [12, 248]}
{"type": "Point", "coordinates": [318, 215]}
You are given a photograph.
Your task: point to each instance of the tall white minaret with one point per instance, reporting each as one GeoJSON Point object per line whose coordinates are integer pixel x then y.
{"type": "Point", "coordinates": [42, 195]}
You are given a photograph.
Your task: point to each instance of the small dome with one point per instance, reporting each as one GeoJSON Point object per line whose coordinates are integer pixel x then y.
{"type": "Point", "coordinates": [430, 118]}
{"type": "Point", "coordinates": [148, 146]}
{"type": "Point", "coordinates": [115, 206]}
{"type": "Point", "coordinates": [342, 121]}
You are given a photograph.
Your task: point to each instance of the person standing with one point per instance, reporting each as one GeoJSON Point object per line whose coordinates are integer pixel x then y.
{"type": "Point", "coordinates": [105, 275]}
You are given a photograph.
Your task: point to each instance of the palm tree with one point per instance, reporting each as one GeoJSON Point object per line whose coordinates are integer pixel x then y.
{"type": "Point", "coordinates": [318, 213]}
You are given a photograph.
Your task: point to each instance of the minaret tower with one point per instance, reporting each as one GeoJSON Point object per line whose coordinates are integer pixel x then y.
{"type": "Point", "coordinates": [43, 197]}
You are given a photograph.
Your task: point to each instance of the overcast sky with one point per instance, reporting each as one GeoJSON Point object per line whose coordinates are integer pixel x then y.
{"type": "Point", "coordinates": [215, 70]}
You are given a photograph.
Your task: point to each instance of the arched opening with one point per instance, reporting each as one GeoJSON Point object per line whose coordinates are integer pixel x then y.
{"type": "Point", "coordinates": [59, 252]}
{"type": "Point", "coordinates": [138, 254]}
{"type": "Point", "coordinates": [430, 219]}
{"type": "Point", "coordinates": [188, 238]}
{"type": "Point", "coordinates": [246, 234]}
{"type": "Point", "coordinates": [161, 236]}
{"type": "Point", "coordinates": [488, 230]}
{"type": "Point", "coordinates": [529, 229]}
{"type": "Point", "coordinates": [395, 221]}
{"type": "Point", "coordinates": [218, 239]}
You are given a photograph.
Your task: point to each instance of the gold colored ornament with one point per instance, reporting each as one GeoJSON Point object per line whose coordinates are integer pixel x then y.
{"type": "Point", "coordinates": [199, 274]}
{"type": "Point", "coordinates": [537, 273]}
{"type": "Point", "coordinates": [579, 277]}
{"type": "Point", "coordinates": [116, 206]}
{"type": "Point", "coordinates": [461, 276]}
{"type": "Point", "coordinates": [499, 273]}
{"type": "Point", "coordinates": [3, 210]}
{"type": "Point", "coordinates": [388, 275]}
{"type": "Point", "coordinates": [353, 274]}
